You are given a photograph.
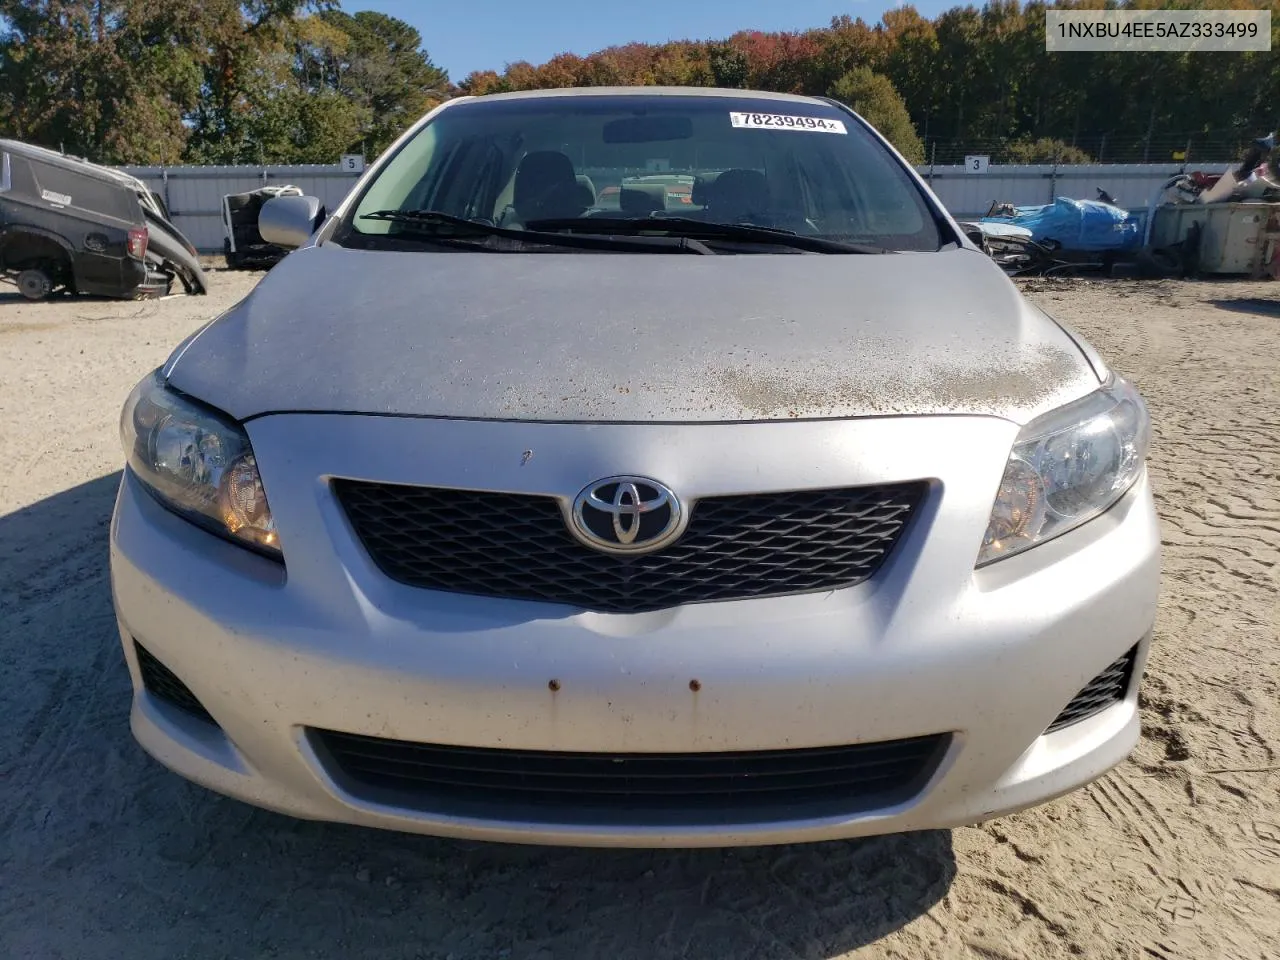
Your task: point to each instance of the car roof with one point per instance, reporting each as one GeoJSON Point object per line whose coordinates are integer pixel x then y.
{"type": "Point", "coordinates": [721, 92]}
{"type": "Point", "coordinates": [74, 164]}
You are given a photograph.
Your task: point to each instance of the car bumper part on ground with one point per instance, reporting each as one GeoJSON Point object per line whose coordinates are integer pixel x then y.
{"type": "Point", "coordinates": [928, 646]}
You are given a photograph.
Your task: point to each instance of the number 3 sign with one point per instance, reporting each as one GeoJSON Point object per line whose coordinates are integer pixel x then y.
{"type": "Point", "coordinates": [976, 164]}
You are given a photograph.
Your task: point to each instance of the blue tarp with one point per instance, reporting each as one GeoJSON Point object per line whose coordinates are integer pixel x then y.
{"type": "Point", "coordinates": [1079, 224]}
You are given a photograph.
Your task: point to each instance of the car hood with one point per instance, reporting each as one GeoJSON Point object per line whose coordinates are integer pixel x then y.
{"type": "Point", "coordinates": [632, 337]}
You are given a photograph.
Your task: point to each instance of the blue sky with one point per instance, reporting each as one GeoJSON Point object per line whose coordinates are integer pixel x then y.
{"type": "Point", "coordinates": [488, 34]}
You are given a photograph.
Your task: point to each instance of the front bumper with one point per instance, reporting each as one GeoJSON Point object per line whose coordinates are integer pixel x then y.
{"type": "Point", "coordinates": [928, 646]}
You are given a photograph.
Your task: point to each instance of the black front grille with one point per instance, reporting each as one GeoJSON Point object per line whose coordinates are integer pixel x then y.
{"type": "Point", "coordinates": [163, 684]}
{"type": "Point", "coordinates": [680, 787]}
{"type": "Point", "coordinates": [1106, 689]}
{"type": "Point", "coordinates": [517, 546]}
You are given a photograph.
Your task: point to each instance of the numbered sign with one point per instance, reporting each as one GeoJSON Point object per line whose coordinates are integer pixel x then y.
{"type": "Point", "coordinates": [976, 164]}
{"type": "Point", "coordinates": [352, 163]}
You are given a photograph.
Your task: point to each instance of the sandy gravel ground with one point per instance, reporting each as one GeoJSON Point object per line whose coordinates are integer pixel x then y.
{"type": "Point", "coordinates": [1175, 855]}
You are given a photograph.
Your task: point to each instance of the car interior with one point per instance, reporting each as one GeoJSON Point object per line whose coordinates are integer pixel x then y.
{"type": "Point", "coordinates": [489, 169]}
{"type": "Point", "coordinates": [546, 186]}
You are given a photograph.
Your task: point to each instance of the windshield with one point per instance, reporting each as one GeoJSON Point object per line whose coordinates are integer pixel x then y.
{"type": "Point", "coordinates": [808, 168]}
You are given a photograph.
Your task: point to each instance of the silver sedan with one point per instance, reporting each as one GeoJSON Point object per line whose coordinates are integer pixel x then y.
{"type": "Point", "coordinates": [534, 500]}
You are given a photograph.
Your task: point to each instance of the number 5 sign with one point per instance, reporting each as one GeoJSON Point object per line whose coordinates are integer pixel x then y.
{"type": "Point", "coordinates": [976, 164]}
{"type": "Point", "coordinates": [352, 163]}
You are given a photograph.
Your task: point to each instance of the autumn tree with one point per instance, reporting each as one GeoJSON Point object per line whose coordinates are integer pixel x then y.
{"type": "Point", "coordinates": [911, 51]}
{"type": "Point", "coordinates": [226, 81]}
{"type": "Point", "coordinates": [562, 70]}
{"type": "Point", "coordinates": [1043, 150]}
{"type": "Point", "coordinates": [728, 65]}
{"type": "Point", "coordinates": [778, 61]}
{"type": "Point", "coordinates": [90, 76]}
{"type": "Point", "coordinates": [376, 64]}
{"type": "Point", "coordinates": [682, 64]}
{"type": "Point", "coordinates": [521, 75]}
{"type": "Point", "coordinates": [872, 96]}
{"type": "Point", "coordinates": [973, 79]}
{"type": "Point", "coordinates": [219, 81]}
{"type": "Point", "coordinates": [247, 66]}
{"type": "Point", "coordinates": [481, 82]}
{"type": "Point", "coordinates": [846, 45]}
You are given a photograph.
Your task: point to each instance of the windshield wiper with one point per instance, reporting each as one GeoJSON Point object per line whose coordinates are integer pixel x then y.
{"type": "Point", "coordinates": [476, 227]}
{"type": "Point", "coordinates": [707, 230]}
{"type": "Point", "coordinates": [422, 221]}
{"type": "Point", "coordinates": [420, 229]}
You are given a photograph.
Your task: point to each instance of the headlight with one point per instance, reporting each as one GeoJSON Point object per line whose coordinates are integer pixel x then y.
{"type": "Point", "coordinates": [197, 464]}
{"type": "Point", "coordinates": [1068, 467]}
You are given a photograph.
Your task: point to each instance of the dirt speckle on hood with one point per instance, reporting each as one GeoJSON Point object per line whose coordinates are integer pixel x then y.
{"type": "Point", "coordinates": [672, 341]}
{"type": "Point", "coordinates": [1029, 378]}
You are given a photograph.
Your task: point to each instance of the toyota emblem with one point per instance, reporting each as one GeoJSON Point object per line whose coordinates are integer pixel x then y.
{"type": "Point", "coordinates": [627, 515]}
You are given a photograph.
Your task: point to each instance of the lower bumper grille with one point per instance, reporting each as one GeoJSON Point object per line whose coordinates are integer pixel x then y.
{"type": "Point", "coordinates": [661, 788]}
{"type": "Point", "coordinates": [1106, 689]}
{"type": "Point", "coordinates": [163, 684]}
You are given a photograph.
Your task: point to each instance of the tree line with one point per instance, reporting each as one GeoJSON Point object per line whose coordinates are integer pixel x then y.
{"type": "Point", "coordinates": [971, 80]}
{"type": "Point", "coordinates": [302, 81]}
{"type": "Point", "coordinates": [210, 81]}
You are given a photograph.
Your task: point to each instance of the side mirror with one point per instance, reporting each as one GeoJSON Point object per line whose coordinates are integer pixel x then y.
{"type": "Point", "coordinates": [289, 222]}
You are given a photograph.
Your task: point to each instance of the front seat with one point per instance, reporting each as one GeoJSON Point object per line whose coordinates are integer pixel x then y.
{"type": "Point", "coordinates": [739, 195]}
{"type": "Point", "coordinates": [586, 190]}
{"type": "Point", "coordinates": [642, 199]}
{"type": "Point", "coordinates": [546, 187]}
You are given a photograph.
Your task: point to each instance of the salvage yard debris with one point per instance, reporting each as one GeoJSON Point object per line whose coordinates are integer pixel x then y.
{"type": "Point", "coordinates": [243, 246]}
{"type": "Point", "coordinates": [1195, 223]}
{"type": "Point", "coordinates": [70, 225]}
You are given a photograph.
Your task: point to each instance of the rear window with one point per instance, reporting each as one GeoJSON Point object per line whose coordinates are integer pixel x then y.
{"type": "Point", "coordinates": [806, 167]}
{"type": "Point", "coordinates": [67, 188]}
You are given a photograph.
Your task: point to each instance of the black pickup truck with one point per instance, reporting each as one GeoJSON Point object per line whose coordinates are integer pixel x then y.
{"type": "Point", "coordinates": [66, 224]}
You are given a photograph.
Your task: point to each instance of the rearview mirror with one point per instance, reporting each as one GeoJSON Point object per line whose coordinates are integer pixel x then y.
{"type": "Point", "coordinates": [289, 222]}
{"type": "Point", "coordinates": [647, 129]}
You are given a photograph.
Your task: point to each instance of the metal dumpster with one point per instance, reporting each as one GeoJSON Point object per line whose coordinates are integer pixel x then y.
{"type": "Point", "coordinates": [1241, 237]}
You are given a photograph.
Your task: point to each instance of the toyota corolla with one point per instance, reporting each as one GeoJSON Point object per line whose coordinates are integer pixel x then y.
{"type": "Point", "coordinates": [775, 515]}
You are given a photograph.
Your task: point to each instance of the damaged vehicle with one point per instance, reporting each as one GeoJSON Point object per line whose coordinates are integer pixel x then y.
{"type": "Point", "coordinates": [771, 516]}
{"type": "Point", "coordinates": [242, 245]}
{"type": "Point", "coordinates": [1065, 236]}
{"type": "Point", "coordinates": [168, 249]}
{"type": "Point", "coordinates": [70, 225]}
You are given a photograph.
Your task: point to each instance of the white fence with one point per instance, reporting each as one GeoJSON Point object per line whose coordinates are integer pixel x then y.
{"type": "Point", "coordinates": [194, 194]}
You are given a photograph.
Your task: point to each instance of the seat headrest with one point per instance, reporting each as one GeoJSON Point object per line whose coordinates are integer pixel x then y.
{"type": "Point", "coordinates": [643, 198]}
{"type": "Point", "coordinates": [546, 187]}
{"type": "Point", "coordinates": [543, 167]}
{"type": "Point", "coordinates": [738, 193]}
{"type": "Point", "coordinates": [702, 187]}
